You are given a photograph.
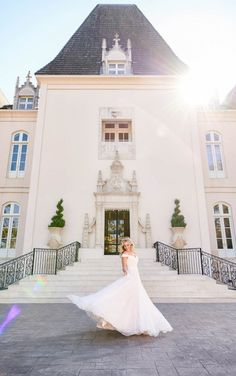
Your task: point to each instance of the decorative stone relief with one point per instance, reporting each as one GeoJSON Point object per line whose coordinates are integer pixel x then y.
{"type": "Point", "coordinates": [116, 193]}
{"type": "Point", "coordinates": [146, 229]}
{"type": "Point", "coordinates": [87, 229]}
{"type": "Point", "coordinates": [116, 182]}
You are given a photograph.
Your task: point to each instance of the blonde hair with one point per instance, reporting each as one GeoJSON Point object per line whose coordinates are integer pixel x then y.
{"type": "Point", "coordinates": [121, 246]}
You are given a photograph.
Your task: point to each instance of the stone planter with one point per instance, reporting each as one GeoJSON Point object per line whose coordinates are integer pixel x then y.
{"type": "Point", "coordinates": [55, 240]}
{"type": "Point", "coordinates": [178, 241]}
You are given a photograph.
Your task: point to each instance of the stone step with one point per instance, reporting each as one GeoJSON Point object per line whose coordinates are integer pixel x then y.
{"type": "Point", "coordinates": [55, 280]}
{"type": "Point", "coordinates": [90, 271]}
{"type": "Point", "coordinates": [108, 275]}
{"type": "Point", "coordinates": [170, 290]}
{"type": "Point", "coordinates": [99, 253]}
{"type": "Point", "coordinates": [87, 285]}
{"type": "Point", "coordinates": [93, 273]}
{"type": "Point", "coordinates": [167, 293]}
{"type": "Point", "coordinates": [157, 300]}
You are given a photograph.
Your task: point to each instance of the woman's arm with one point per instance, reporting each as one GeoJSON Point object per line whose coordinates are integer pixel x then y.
{"type": "Point", "coordinates": [124, 264]}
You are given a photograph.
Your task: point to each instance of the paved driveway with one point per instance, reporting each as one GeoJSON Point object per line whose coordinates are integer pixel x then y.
{"type": "Point", "coordinates": [60, 339]}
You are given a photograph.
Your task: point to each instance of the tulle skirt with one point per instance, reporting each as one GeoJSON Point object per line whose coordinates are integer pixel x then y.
{"type": "Point", "coordinates": [124, 306]}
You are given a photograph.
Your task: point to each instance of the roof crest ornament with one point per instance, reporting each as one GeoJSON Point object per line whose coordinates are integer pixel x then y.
{"type": "Point", "coordinates": [116, 40]}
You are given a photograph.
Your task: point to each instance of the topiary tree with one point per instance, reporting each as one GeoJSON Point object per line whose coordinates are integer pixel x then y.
{"type": "Point", "coordinates": [58, 220]}
{"type": "Point", "coordinates": [177, 219]}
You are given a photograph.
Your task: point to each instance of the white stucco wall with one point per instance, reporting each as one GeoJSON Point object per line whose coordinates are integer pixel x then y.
{"type": "Point", "coordinates": [66, 164]}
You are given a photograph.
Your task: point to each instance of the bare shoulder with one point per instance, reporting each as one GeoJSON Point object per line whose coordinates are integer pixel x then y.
{"type": "Point", "coordinates": [124, 254]}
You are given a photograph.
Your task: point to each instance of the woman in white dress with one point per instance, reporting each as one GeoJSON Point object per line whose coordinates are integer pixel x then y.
{"type": "Point", "coordinates": [124, 304]}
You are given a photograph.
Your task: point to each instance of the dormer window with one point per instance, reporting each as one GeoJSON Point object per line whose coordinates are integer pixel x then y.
{"type": "Point", "coordinates": [116, 61]}
{"type": "Point", "coordinates": [116, 68]}
{"type": "Point", "coordinates": [26, 95]}
{"type": "Point", "coordinates": [25, 103]}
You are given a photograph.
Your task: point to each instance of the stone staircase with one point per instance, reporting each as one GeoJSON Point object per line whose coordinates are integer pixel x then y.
{"type": "Point", "coordinates": [95, 271]}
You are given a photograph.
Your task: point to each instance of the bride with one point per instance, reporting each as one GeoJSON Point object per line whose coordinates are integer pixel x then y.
{"type": "Point", "coordinates": [124, 304]}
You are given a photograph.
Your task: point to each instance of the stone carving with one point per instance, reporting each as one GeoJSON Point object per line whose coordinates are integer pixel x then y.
{"type": "Point", "coordinates": [146, 229]}
{"type": "Point", "coordinates": [87, 229]}
{"type": "Point", "coordinates": [117, 183]}
{"type": "Point", "coordinates": [116, 53]}
{"type": "Point", "coordinates": [26, 90]}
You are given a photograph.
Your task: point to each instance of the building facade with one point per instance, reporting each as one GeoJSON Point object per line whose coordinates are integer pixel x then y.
{"type": "Point", "coordinates": [107, 131]}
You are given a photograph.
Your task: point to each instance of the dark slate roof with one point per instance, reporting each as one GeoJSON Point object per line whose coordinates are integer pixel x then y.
{"type": "Point", "coordinates": [230, 100]}
{"type": "Point", "coordinates": [82, 54]}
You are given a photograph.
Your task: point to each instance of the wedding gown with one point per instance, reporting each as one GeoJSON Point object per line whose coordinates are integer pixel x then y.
{"type": "Point", "coordinates": [124, 305]}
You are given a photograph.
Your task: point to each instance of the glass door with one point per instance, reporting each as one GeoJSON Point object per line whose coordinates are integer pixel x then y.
{"type": "Point", "coordinates": [117, 226]}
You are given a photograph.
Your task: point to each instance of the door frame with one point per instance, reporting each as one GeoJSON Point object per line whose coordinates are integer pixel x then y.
{"type": "Point", "coordinates": [117, 217]}
{"type": "Point", "coordinates": [125, 201]}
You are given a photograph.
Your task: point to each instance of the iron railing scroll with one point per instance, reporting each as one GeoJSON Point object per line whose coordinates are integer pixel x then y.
{"type": "Point", "coordinates": [196, 261]}
{"type": "Point", "coordinates": [39, 261]}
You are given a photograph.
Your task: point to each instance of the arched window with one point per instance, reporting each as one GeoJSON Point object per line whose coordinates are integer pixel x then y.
{"type": "Point", "coordinates": [18, 155]}
{"type": "Point", "coordinates": [9, 225]}
{"type": "Point", "coordinates": [214, 155]}
{"type": "Point", "coordinates": [225, 237]}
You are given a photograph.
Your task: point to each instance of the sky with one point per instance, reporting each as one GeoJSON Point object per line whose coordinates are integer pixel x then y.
{"type": "Point", "coordinates": [200, 32]}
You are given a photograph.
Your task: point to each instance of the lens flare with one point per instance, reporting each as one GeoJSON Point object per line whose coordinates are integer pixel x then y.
{"type": "Point", "coordinates": [12, 314]}
{"type": "Point", "coordinates": [41, 281]}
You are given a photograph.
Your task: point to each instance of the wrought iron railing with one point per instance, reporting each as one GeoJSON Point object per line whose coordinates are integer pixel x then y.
{"type": "Point", "coordinates": [196, 261]}
{"type": "Point", "coordinates": [38, 261]}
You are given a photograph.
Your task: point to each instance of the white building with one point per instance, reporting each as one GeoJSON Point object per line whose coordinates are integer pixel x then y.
{"type": "Point", "coordinates": [112, 136]}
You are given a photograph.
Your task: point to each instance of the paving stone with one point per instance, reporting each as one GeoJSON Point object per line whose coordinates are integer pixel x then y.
{"type": "Point", "coordinates": [119, 372]}
{"type": "Point", "coordinates": [142, 372]}
{"type": "Point", "coordinates": [102, 372]}
{"type": "Point", "coordinates": [61, 340]}
{"type": "Point", "coordinates": [167, 371]}
{"type": "Point", "coordinates": [188, 371]}
{"type": "Point", "coordinates": [214, 370]}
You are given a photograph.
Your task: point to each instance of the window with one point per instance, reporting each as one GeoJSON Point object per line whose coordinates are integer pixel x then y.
{"type": "Point", "coordinates": [19, 148]}
{"type": "Point", "coordinates": [25, 103]}
{"type": "Point", "coordinates": [9, 225]}
{"type": "Point", "coordinates": [116, 68]}
{"type": "Point", "coordinates": [214, 155]}
{"type": "Point", "coordinates": [223, 226]}
{"type": "Point", "coordinates": [117, 131]}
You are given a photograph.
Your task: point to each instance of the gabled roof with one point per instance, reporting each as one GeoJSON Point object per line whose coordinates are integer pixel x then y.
{"type": "Point", "coordinates": [82, 54]}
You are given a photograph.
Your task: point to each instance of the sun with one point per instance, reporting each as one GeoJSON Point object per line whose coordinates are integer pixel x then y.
{"type": "Point", "coordinates": [198, 88]}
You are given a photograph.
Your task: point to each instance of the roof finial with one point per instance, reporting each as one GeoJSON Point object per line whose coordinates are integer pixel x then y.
{"type": "Point", "coordinates": [28, 77]}
{"type": "Point", "coordinates": [17, 82]}
{"type": "Point", "coordinates": [116, 40]}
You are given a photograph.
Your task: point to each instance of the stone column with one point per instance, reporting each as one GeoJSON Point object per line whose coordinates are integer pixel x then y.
{"type": "Point", "coordinates": [134, 222]}
{"type": "Point", "coordinates": [99, 213]}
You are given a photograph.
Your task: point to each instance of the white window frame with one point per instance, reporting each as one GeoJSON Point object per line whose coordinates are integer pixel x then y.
{"type": "Point", "coordinates": [117, 131]}
{"type": "Point", "coordinates": [221, 216]}
{"type": "Point", "coordinates": [17, 173]}
{"type": "Point", "coordinates": [25, 103]}
{"type": "Point", "coordinates": [212, 161]}
{"type": "Point", "coordinates": [11, 216]}
{"type": "Point", "coordinates": [116, 70]}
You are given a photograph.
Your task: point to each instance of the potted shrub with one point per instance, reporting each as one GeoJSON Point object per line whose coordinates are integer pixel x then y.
{"type": "Point", "coordinates": [56, 226]}
{"type": "Point", "coordinates": [178, 225]}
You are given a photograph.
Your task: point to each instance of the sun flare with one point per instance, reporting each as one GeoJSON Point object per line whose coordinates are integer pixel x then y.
{"type": "Point", "coordinates": [197, 88]}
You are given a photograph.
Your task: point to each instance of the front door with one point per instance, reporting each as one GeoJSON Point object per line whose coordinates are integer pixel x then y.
{"type": "Point", "coordinates": [117, 226]}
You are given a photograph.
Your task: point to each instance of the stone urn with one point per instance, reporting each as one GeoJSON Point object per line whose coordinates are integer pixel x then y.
{"type": "Point", "coordinates": [178, 240]}
{"type": "Point", "coordinates": [55, 239]}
